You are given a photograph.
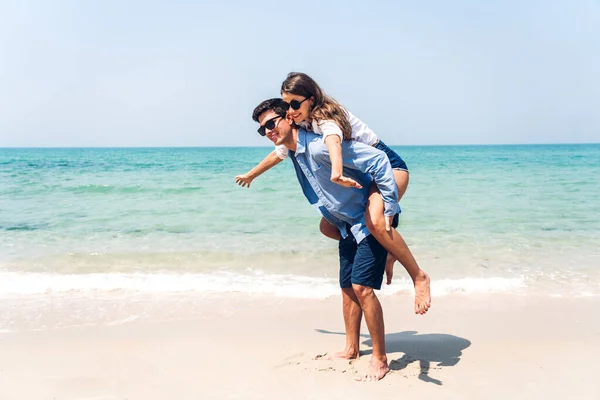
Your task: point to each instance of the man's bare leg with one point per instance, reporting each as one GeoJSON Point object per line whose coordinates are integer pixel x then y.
{"type": "Point", "coordinates": [371, 307]}
{"type": "Point", "coordinates": [352, 319]}
{"type": "Point", "coordinates": [395, 244]}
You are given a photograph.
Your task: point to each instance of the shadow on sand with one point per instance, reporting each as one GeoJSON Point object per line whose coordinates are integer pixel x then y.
{"type": "Point", "coordinates": [441, 349]}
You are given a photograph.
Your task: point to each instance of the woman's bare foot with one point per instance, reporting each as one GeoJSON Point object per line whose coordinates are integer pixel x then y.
{"type": "Point", "coordinates": [389, 268]}
{"type": "Point", "coordinates": [422, 293]}
{"type": "Point", "coordinates": [375, 371]}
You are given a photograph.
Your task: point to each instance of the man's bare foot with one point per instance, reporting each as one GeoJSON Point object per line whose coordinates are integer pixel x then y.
{"type": "Point", "coordinates": [375, 371]}
{"type": "Point", "coordinates": [422, 293]}
{"type": "Point", "coordinates": [340, 355]}
{"type": "Point", "coordinates": [389, 268]}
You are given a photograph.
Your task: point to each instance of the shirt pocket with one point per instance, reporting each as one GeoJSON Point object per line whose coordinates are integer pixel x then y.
{"type": "Point", "coordinates": [322, 172]}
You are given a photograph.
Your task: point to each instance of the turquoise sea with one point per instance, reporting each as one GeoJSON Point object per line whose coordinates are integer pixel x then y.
{"type": "Point", "coordinates": [522, 219]}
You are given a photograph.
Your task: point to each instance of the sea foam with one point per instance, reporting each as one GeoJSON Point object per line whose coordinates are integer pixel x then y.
{"type": "Point", "coordinates": [252, 282]}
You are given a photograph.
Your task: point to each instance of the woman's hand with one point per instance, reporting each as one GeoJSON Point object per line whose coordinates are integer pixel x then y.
{"type": "Point", "coordinates": [344, 181]}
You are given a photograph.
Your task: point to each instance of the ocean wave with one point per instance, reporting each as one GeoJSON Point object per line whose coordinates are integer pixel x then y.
{"type": "Point", "coordinates": [102, 189]}
{"type": "Point", "coordinates": [252, 282]}
{"type": "Point", "coordinates": [23, 227]}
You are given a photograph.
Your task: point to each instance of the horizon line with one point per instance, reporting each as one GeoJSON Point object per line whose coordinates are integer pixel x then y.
{"type": "Point", "coordinates": [258, 147]}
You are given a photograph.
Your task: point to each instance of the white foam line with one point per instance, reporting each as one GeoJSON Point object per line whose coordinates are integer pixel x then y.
{"type": "Point", "coordinates": [219, 282]}
{"type": "Point", "coordinates": [464, 285]}
{"type": "Point", "coordinates": [252, 282]}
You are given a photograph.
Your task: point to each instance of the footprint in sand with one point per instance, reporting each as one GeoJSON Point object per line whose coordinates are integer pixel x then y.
{"type": "Point", "coordinates": [320, 362]}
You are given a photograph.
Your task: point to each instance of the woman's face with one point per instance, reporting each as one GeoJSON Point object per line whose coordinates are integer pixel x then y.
{"type": "Point", "coordinates": [303, 112]}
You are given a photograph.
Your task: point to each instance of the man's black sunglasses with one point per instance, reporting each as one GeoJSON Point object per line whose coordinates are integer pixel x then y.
{"type": "Point", "coordinates": [270, 124]}
{"type": "Point", "coordinates": [295, 104]}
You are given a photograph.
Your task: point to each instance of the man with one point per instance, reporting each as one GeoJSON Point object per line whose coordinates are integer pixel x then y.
{"type": "Point", "coordinates": [362, 258]}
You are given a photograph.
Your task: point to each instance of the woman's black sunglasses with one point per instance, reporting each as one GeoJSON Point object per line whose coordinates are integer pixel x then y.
{"type": "Point", "coordinates": [270, 124]}
{"type": "Point", "coordinates": [295, 104]}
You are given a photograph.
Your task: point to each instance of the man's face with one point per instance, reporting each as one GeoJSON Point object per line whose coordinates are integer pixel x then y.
{"type": "Point", "coordinates": [282, 129]}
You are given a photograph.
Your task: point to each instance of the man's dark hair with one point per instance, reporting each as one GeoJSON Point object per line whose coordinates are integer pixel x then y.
{"type": "Point", "coordinates": [278, 105]}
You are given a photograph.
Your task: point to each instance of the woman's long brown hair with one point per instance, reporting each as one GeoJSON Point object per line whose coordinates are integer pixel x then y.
{"type": "Point", "coordinates": [323, 106]}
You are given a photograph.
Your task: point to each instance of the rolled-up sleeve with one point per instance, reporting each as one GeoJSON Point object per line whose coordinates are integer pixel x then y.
{"type": "Point", "coordinates": [328, 127]}
{"type": "Point", "coordinates": [374, 162]}
{"type": "Point", "coordinates": [281, 151]}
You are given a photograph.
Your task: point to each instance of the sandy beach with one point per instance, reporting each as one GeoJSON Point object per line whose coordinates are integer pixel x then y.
{"type": "Point", "coordinates": [466, 347]}
{"type": "Point", "coordinates": [156, 242]}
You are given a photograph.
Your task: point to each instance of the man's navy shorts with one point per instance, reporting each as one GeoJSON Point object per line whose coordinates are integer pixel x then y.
{"type": "Point", "coordinates": [362, 263]}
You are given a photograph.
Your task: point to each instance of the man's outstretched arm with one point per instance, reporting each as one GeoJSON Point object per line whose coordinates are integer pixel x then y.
{"type": "Point", "coordinates": [266, 164]}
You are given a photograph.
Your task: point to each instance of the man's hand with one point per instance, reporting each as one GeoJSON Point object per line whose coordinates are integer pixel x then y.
{"type": "Point", "coordinates": [343, 181]}
{"type": "Point", "coordinates": [243, 180]}
{"type": "Point", "coordinates": [388, 223]}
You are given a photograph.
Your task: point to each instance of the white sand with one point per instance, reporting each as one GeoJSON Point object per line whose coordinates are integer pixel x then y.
{"type": "Point", "coordinates": [492, 347]}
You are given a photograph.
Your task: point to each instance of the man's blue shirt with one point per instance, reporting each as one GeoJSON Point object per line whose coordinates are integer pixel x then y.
{"type": "Point", "coordinates": [341, 205]}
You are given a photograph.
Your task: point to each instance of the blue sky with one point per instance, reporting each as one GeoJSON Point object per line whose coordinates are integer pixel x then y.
{"type": "Point", "coordinates": [185, 73]}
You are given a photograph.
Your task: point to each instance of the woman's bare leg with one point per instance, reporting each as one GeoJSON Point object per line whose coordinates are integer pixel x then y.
{"type": "Point", "coordinates": [329, 230]}
{"type": "Point", "coordinates": [395, 244]}
{"type": "Point", "coordinates": [401, 178]}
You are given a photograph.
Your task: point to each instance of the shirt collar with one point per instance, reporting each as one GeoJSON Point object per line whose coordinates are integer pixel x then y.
{"type": "Point", "coordinates": [301, 142]}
